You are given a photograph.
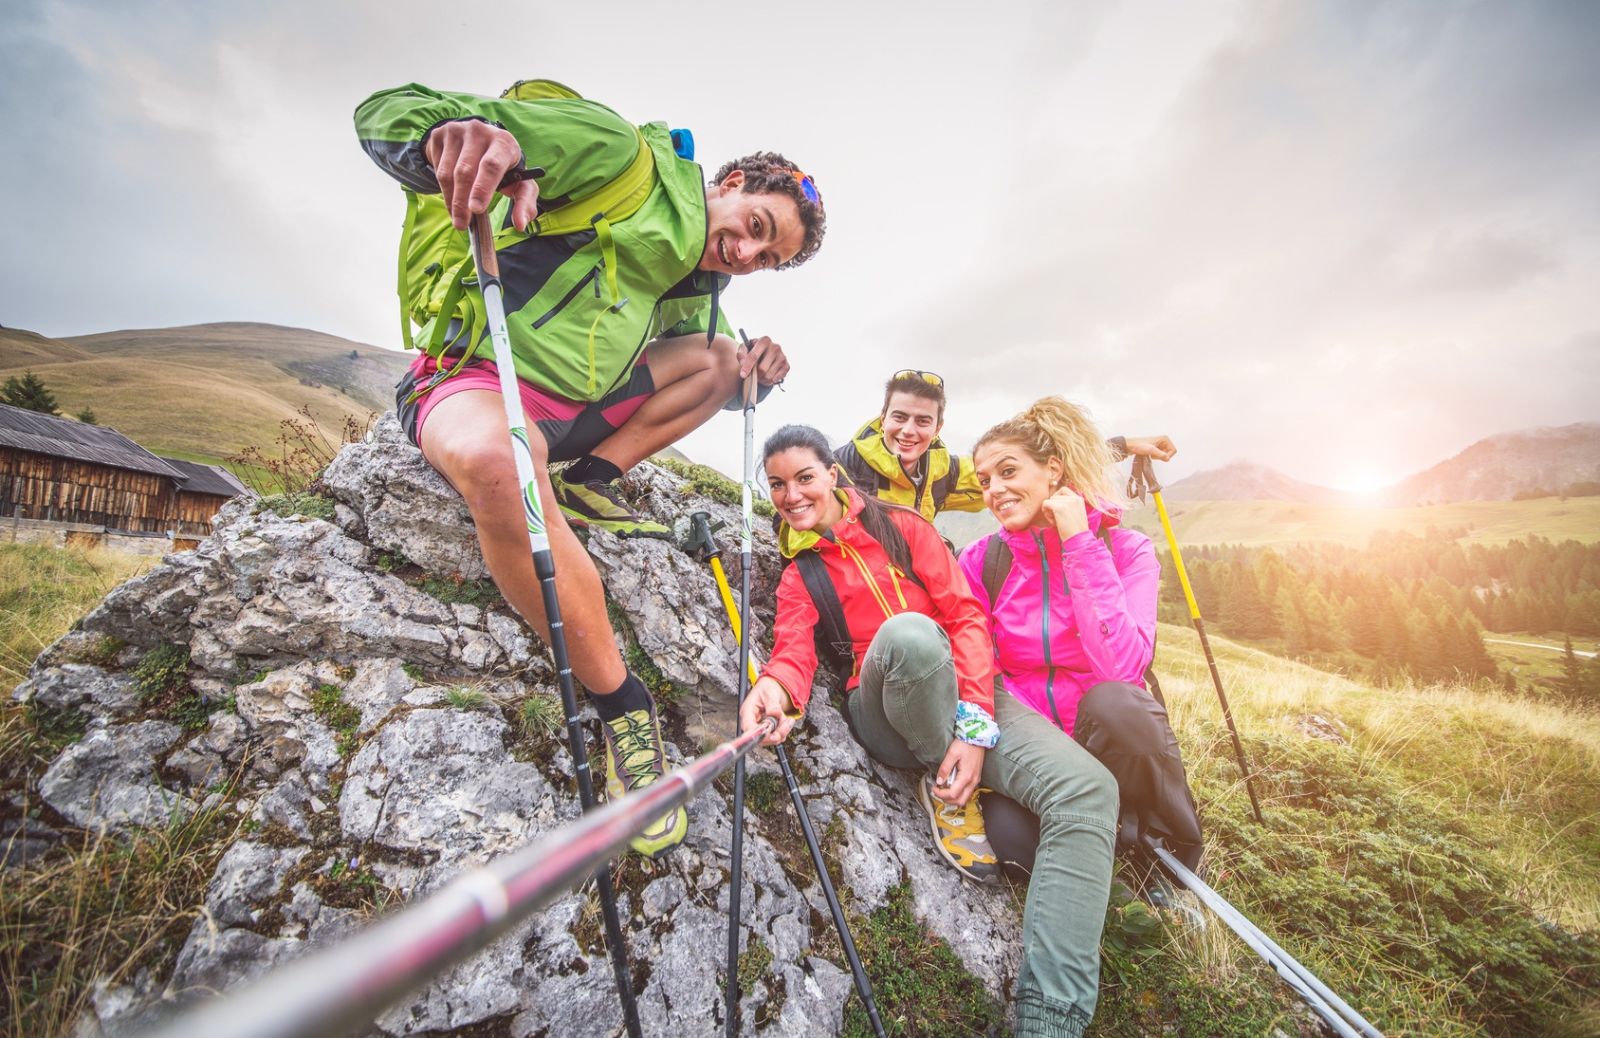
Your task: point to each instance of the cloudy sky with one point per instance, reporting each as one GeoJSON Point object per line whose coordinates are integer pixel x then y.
{"type": "Point", "coordinates": [1343, 239]}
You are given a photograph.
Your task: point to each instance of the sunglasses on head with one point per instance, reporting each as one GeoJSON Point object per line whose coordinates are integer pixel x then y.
{"type": "Point", "coordinates": [927, 376]}
{"type": "Point", "coordinates": [808, 187]}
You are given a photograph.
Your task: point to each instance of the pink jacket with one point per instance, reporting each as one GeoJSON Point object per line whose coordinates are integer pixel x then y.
{"type": "Point", "coordinates": [1069, 616]}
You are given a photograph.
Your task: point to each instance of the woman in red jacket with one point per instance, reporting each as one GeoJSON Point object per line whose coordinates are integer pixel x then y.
{"type": "Point", "coordinates": [921, 696]}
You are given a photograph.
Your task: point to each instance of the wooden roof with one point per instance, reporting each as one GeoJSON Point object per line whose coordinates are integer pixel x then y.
{"type": "Point", "coordinates": [206, 479]}
{"type": "Point", "coordinates": [43, 434]}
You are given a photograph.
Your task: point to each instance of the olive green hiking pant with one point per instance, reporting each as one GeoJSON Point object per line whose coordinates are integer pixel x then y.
{"type": "Point", "coordinates": [904, 712]}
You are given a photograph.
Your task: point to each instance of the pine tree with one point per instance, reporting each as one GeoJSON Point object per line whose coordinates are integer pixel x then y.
{"type": "Point", "coordinates": [87, 416]}
{"type": "Point", "coordinates": [1572, 682]}
{"type": "Point", "coordinates": [29, 392]}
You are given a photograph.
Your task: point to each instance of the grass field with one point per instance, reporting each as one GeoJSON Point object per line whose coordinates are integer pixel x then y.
{"type": "Point", "coordinates": [1261, 523]}
{"type": "Point", "coordinates": [1437, 797]}
{"type": "Point", "coordinates": [43, 591]}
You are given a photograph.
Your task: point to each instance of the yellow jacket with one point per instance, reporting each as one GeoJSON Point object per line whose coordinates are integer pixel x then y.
{"type": "Point", "coordinates": [946, 482]}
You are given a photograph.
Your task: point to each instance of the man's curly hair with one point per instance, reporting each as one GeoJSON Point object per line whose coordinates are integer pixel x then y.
{"type": "Point", "coordinates": [771, 173]}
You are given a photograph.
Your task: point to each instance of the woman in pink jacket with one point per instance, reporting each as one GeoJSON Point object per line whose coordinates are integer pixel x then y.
{"type": "Point", "coordinates": [1071, 603]}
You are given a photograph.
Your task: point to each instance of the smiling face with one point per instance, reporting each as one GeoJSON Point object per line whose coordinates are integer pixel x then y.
{"type": "Point", "coordinates": [1014, 484]}
{"type": "Point", "coordinates": [749, 231]}
{"type": "Point", "coordinates": [910, 423]}
{"type": "Point", "coordinates": [802, 486]}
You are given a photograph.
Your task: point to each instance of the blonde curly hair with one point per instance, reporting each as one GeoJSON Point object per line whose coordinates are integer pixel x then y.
{"type": "Point", "coordinates": [1054, 427]}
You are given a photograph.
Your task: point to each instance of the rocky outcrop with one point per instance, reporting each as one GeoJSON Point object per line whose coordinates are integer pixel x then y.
{"type": "Point", "coordinates": [380, 721]}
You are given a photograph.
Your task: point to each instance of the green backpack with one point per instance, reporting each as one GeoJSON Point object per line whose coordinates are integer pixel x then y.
{"type": "Point", "coordinates": [433, 290]}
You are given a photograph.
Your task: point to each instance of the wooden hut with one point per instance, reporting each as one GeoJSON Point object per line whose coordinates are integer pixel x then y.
{"type": "Point", "coordinates": [57, 470]}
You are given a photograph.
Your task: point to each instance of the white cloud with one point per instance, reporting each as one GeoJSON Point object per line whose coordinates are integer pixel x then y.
{"type": "Point", "coordinates": [1290, 231]}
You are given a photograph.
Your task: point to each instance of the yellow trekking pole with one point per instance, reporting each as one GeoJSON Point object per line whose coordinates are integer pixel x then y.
{"type": "Point", "coordinates": [1143, 480]}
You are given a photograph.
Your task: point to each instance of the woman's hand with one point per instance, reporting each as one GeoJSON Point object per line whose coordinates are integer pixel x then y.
{"type": "Point", "coordinates": [1067, 510]}
{"type": "Point", "coordinates": [963, 763]}
{"type": "Point", "coordinates": [767, 698]}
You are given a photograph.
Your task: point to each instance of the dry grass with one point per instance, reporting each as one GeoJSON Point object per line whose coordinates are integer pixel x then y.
{"type": "Point", "coordinates": [1518, 779]}
{"type": "Point", "coordinates": [102, 906]}
{"type": "Point", "coordinates": [44, 591]}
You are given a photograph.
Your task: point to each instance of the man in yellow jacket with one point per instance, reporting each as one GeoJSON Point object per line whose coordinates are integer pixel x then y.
{"type": "Point", "coordinates": [899, 457]}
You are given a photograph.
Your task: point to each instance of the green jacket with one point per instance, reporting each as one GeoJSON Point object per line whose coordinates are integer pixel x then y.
{"type": "Point", "coordinates": [946, 482]}
{"type": "Point", "coordinates": [573, 330]}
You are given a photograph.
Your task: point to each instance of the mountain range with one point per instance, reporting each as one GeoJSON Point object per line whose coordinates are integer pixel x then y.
{"type": "Point", "coordinates": [1496, 468]}
{"type": "Point", "coordinates": [207, 391]}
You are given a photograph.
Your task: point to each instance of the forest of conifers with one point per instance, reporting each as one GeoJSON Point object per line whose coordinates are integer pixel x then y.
{"type": "Point", "coordinates": [1402, 605]}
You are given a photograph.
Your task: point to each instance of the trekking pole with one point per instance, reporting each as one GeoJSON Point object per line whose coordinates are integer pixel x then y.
{"type": "Point", "coordinates": [701, 542]}
{"type": "Point", "coordinates": [336, 991]}
{"type": "Point", "coordinates": [544, 567]}
{"type": "Point", "coordinates": [1144, 479]}
{"type": "Point", "coordinates": [1335, 1011]}
{"type": "Point", "coordinates": [731, 995]}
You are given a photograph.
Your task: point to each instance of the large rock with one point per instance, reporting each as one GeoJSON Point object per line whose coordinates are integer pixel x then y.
{"type": "Point", "coordinates": [109, 780]}
{"type": "Point", "coordinates": [374, 742]}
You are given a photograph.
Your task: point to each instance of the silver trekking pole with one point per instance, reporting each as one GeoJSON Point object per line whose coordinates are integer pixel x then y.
{"type": "Point", "coordinates": [336, 991]}
{"type": "Point", "coordinates": [731, 992]}
{"type": "Point", "coordinates": [544, 567]}
{"type": "Point", "coordinates": [1334, 1011]}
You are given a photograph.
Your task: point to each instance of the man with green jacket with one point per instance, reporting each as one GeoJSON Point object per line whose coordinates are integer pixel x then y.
{"type": "Point", "coordinates": [613, 254]}
{"type": "Point", "coordinates": [899, 456]}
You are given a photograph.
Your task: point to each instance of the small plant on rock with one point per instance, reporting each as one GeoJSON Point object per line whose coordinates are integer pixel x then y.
{"type": "Point", "coordinates": [162, 673]}
{"type": "Point", "coordinates": [541, 714]}
{"type": "Point", "coordinates": [327, 702]}
{"type": "Point", "coordinates": [465, 697]}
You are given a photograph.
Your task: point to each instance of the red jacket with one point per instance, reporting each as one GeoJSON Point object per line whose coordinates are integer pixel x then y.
{"type": "Point", "coordinates": [870, 591]}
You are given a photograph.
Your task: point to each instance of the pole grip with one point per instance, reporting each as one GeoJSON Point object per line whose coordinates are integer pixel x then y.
{"type": "Point", "coordinates": [483, 253]}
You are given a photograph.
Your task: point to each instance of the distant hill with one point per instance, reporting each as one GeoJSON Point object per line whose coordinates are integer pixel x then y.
{"type": "Point", "coordinates": [207, 391]}
{"type": "Point", "coordinates": [1247, 481]}
{"type": "Point", "coordinates": [1498, 467]}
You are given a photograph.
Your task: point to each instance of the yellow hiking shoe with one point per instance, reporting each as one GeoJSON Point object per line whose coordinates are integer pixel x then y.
{"type": "Point", "coordinates": [634, 761]}
{"type": "Point", "coordinates": [601, 506]}
{"type": "Point", "coordinates": [959, 834]}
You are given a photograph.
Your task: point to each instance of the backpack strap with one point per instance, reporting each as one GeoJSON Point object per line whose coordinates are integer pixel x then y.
{"type": "Point", "coordinates": [996, 566]}
{"type": "Point", "coordinates": [835, 649]}
{"type": "Point", "coordinates": [946, 483]}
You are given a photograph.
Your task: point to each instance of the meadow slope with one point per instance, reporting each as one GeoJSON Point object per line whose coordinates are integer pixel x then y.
{"type": "Point", "coordinates": [205, 392]}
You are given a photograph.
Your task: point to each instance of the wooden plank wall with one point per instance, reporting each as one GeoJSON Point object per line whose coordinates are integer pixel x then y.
{"type": "Point", "coordinates": [37, 486]}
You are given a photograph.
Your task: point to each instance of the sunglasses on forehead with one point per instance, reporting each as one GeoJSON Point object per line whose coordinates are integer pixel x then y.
{"type": "Point", "coordinates": [927, 376]}
{"type": "Point", "coordinates": [808, 187]}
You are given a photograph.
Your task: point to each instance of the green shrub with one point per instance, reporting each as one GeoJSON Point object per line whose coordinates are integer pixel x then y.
{"type": "Point", "coordinates": [162, 673]}
{"type": "Point", "coordinates": [542, 714]}
{"type": "Point", "coordinates": [312, 506]}
{"type": "Point", "coordinates": [464, 697]}
{"type": "Point", "coordinates": [481, 593]}
{"type": "Point", "coordinates": [194, 711]}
